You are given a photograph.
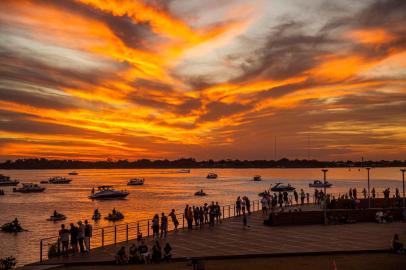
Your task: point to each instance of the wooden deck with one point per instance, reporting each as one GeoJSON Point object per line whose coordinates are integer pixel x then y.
{"type": "Point", "coordinates": [230, 239]}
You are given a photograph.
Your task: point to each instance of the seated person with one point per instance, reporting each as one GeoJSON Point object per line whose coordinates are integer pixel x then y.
{"type": "Point", "coordinates": [121, 257]}
{"type": "Point", "coordinates": [133, 256]}
{"type": "Point", "coordinates": [156, 252]}
{"type": "Point", "coordinates": [397, 246]}
{"type": "Point", "coordinates": [379, 217]}
{"type": "Point", "coordinates": [387, 216]}
{"type": "Point", "coordinates": [167, 252]}
{"type": "Point", "coordinates": [143, 251]}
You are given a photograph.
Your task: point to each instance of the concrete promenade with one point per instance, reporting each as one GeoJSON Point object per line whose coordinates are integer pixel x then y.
{"type": "Point", "coordinates": [230, 239]}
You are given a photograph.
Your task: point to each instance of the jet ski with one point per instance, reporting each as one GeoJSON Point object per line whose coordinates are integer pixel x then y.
{"type": "Point", "coordinates": [279, 187]}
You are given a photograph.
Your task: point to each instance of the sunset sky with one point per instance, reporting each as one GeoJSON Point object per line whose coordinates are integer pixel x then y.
{"type": "Point", "coordinates": [126, 79]}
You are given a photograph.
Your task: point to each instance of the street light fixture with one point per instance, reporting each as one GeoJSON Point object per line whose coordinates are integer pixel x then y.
{"type": "Point", "coordinates": [325, 195]}
{"type": "Point", "coordinates": [369, 194]}
{"type": "Point", "coordinates": [403, 180]}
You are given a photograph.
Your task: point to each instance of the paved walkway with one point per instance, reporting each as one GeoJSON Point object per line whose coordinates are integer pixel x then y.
{"type": "Point", "coordinates": [229, 238]}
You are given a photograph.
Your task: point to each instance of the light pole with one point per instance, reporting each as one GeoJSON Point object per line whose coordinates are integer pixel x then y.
{"type": "Point", "coordinates": [403, 180]}
{"type": "Point", "coordinates": [325, 195]}
{"type": "Point", "coordinates": [369, 194]}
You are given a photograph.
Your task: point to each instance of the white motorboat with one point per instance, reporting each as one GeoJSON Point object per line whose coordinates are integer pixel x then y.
{"type": "Point", "coordinates": [58, 180]}
{"type": "Point", "coordinates": [73, 173]}
{"type": "Point", "coordinates": [212, 176]}
{"type": "Point", "coordinates": [257, 178]}
{"type": "Point", "coordinates": [107, 192]}
{"type": "Point", "coordinates": [6, 181]}
{"type": "Point", "coordinates": [320, 184]}
{"type": "Point", "coordinates": [281, 187]}
{"type": "Point", "coordinates": [136, 182]}
{"type": "Point", "coordinates": [29, 188]}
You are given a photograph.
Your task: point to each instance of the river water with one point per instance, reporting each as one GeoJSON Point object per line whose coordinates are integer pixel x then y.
{"type": "Point", "coordinates": [163, 190]}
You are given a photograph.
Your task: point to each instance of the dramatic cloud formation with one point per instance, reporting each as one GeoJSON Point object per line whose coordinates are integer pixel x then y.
{"type": "Point", "coordinates": [94, 79]}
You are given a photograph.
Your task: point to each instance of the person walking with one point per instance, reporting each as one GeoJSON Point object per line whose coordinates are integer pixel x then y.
{"type": "Point", "coordinates": [264, 203]}
{"type": "Point", "coordinates": [81, 236]}
{"type": "Point", "coordinates": [64, 238]}
{"type": "Point", "coordinates": [248, 203]}
{"type": "Point", "coordinates": [164, 225]}
{"type": "Point", "coordinates": [244, 221]}
{"type": "Point", "coordinates": [174, 219]}
{"type": "Point", "coordinates": [88, 235]}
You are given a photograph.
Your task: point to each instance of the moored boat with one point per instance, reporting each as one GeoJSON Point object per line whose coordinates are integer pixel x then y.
{"type": "Point", "coordinates": [115, 216]}
{"type": "Point", "coordinates": [57, 217]}
{"type": "Point", "coordinates": [107, 192]}
{"type": "Point", "coordinates": [136, 182]}
{"type": "Point", "coordinates": [212, 176]}
{"type": "Point", "coordinates": [257, 178]}
{"type": "Point", "coordinates": [281, 187]}
{"type": "Point", "coordinates": [57, 180]}
{"type": "Point", "coordinates": [73, 173]}
{"type": "Point", "coordinates": [29, 188]}
{"type": "Point", "coordinates": [200, 193]}
{"type": "Point", "coordinates": [6, 181]}
{"type": "Point", "coordinates": [320, 184]}
{"type": "Point", "coordinates": [184, 171]}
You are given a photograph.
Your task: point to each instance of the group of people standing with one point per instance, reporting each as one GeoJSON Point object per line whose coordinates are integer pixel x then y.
{"type": "Point", "coordinates": [77, 236]}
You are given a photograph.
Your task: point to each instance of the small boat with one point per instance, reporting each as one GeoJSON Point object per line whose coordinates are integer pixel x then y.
{"type": "Point", "coordinates": [96, 215]}
{"type": "Point", "coordinates": [12, 227]}
{"type": "Point", "coordinates": [73, 173]}
{"type": "Point", "coordinates": [6, 181]}
{"type": "Point", "coordinates": [29, 188]}
{"type": "Point", "coordinates": [136, 182]}
{"type": "Point", "coordinates": [281, 187]}
{"type": "Point", "coordinates": [57, 217]}
{"type": "Point", "coordinates": [107, 192]}
{"type": "Point", "coordinates": [200, 193]}
{"type": "Point", "coordinates": [115, 216]}
{"type": "Point", "coordinates": [212, 176]}
{"type": "Point", "coordinates": [257, 178]}
{"type": "Point", "coordinates": [184, 171]}
{"type": "Point", "coordinates": [320, 184]}
{"type": "Point", "coordinates": [59, 180]}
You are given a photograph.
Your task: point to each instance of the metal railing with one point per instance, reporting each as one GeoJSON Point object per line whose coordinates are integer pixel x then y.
{"type": "Point", "coordinates": [111, 235]}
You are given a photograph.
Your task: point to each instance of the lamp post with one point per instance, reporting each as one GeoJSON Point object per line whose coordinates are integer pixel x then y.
{"type": "Point", "coordinates": [325, 195]}
{"type": "Point", "coordinates": [403, 180]}
{"type": "Point", "coordinates": [369, 194]}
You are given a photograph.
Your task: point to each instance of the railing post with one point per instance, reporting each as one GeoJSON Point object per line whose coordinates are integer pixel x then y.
{"type": "Point", "coordinates": [40, 251]}
{"type": "Point", "coordinates": [223, 212]}
{"type": "Point", "coordinates": [115, 234]}
{"type": "Point", "coordinates": [183, 221]}
{"type": "Point", "coordinates": [148, 227]}
{"type": "Point", "coordinates": [234, 210]}
{"type": "Point", "coordinates": [126, 232]}
{"type": "Point", "coordinates": [102, 237]}
{"type": "Point", "coordinates": [229, 211]}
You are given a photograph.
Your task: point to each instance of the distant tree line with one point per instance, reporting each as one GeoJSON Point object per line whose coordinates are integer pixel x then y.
{"type": "Point", "coordinates": [43, 163]}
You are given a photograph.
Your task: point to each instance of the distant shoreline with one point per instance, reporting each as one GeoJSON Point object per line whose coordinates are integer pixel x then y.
{"type": "Point", "coordinates": [190, 163]}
